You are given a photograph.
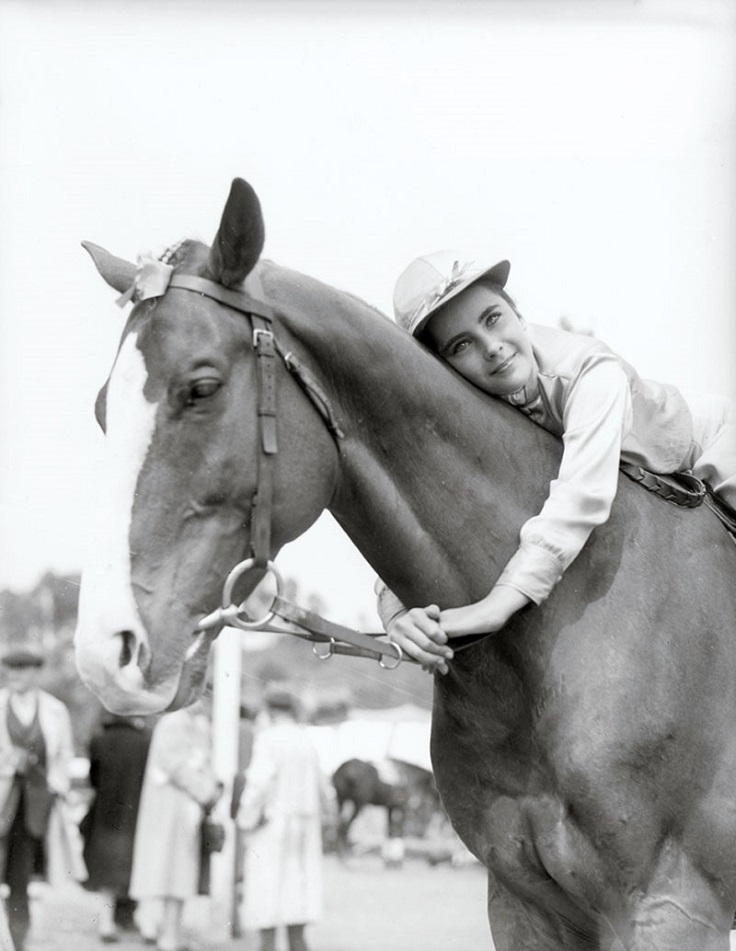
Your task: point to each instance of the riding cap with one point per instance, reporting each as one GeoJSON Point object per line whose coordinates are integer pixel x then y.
{"type": "Point", "coordinates": [432, 280]}
{"type": "Point", "coordinates": [23, 657]}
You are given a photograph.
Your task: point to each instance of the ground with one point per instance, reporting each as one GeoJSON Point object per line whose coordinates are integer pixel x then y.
{"type": "Point", "coordinates": [416, 908]}
{"type": "Point", "coordinates": [432, 908]}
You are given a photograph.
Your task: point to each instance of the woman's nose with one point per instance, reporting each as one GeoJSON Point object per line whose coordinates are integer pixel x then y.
{"type": "Point", "coordinates": [492, 346]}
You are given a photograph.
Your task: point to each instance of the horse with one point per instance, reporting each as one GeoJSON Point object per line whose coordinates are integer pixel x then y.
{"type": "Point", "coordinates": [586, 754]}
{"type": "Point", "coordinates": [359, 784]}
{"type": "Point", "coordinates": [405, 791]}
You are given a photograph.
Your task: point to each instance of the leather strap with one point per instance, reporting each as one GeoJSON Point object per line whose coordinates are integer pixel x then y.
{"type": "Point", "coordinates": [261, 509]}
{"type": "Point", "coordinates": [261, 315]}
{"type": "Point", "coordinates": [680, 488]}
{"type": "Point", "coordinates": [306, 379]}
{"type": "Point", "coordinates": [266, 349]}
{"type": "Point", "coordinates": [367, 645]}
{"type": "Point", "coordinates": [233, 299]}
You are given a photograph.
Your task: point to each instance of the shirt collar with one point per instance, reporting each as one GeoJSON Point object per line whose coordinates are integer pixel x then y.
{"type": "Point", "coordinates": [527, 394]}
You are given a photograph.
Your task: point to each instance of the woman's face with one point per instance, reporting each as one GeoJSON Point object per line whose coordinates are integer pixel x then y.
{"type": "Point", "coordinates": [21, 679]}
{"type": "Point", "coordinates": [483, 338]}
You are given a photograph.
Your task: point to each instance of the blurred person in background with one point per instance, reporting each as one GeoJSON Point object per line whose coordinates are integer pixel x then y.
{"type": "Point", "coordinates": [284, 795]}
{"type": "Point", "coordinates": [179, 788]}
{"type": "Point", "coordinates": [117, 761]}
{"type": "Point", "coordinates": [36, 749]}
{"type": "Point", "coordinates": [246, 731]}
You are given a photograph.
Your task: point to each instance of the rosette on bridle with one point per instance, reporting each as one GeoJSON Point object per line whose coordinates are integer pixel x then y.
{"type": "Point", "coordinates": [151, 280]}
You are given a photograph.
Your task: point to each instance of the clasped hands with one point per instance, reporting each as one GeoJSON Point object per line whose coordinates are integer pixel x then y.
{"type": "Point", "coordinates": [423, 633]}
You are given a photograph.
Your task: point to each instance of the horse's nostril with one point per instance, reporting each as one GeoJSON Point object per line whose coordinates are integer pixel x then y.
{"type": "Point", "coordinates": [127, 647]}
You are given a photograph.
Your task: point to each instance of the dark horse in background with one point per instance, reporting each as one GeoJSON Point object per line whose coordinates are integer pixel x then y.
{"type": "Point", "coordinates": [586, 754]}
{"type": "Point", "coordinates": [407, 793]}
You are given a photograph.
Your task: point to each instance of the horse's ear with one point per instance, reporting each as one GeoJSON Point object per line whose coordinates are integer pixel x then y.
{"type": "Point", "coordinates": [239, 240]}
{"type": "Point", "coordinates": [116, 272]}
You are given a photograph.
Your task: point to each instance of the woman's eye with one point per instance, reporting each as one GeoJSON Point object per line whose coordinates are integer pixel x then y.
{"type": "Point", "coordinates": [460, 346]}
{"type": "Point", "coordinates": [201, 390]}
{"type": "Point", "coordinates": [492, 318]}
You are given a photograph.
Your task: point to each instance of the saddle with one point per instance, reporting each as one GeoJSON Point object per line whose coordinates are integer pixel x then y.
{"type": "Point", "coordinates": [684, 489]}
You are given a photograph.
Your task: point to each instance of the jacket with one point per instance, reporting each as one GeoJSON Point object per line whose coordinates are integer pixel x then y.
{"type": "Point", "coordinates": [63, 843]}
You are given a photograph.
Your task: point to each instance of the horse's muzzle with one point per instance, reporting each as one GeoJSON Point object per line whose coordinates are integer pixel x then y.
{"type": "Point", "coordinates": [117, 674]}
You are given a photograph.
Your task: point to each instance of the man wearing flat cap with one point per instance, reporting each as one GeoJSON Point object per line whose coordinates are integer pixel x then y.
{"type": "Point", "coordinates": [35, 751]}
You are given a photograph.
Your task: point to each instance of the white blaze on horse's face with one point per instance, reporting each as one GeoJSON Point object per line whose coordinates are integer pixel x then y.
{"type": "Point", "coordinates": [107, 607]}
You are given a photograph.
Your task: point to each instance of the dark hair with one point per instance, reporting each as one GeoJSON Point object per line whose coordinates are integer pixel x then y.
{"type": "Point", "coordinates": [23, 658]}
{"type": "Point", "coordinates": [279, 697]}
{"type": "Point", "coordinates": [425, 337]}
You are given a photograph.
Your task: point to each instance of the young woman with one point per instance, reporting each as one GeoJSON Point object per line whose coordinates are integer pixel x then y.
{"type": "Point", "coordinates": [577, 388]}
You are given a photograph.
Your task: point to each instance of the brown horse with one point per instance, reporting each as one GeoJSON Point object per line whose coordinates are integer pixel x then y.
{"type": "Point", "coordinates": [586, 754]}
{"type": "Point", "coordinates": [406, 792]}
{"type": "Point", "coordinates": [359, 784]}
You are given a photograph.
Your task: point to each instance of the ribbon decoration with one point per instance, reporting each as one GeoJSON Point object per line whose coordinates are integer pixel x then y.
{"type": "Point", "coordinates": [151, 280]}
{"type": "Point", "coordinates": [458, 274]}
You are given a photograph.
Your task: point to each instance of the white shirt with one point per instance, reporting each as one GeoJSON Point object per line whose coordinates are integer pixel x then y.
{"type": "Point", "coordinates": [604, 412]}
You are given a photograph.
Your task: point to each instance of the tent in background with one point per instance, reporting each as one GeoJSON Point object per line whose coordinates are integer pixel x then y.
{"type": "Point", "coordinates": [400, 733]}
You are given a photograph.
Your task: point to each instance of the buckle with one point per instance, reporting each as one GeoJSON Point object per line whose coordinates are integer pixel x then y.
{"type": "Point", "coordinates": [259, 332]}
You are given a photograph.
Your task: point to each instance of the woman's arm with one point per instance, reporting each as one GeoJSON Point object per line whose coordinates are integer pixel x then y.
{"type": "Point", "coordinates": [416, 632]}
{"type": "Point", "coordinates": [419, 634]}
{"type": "Point", "coordinates": [597, 416]}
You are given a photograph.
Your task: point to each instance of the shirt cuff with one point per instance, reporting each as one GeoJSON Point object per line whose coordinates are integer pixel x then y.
{"type": "Point", "coordinates": [533, 571]}
{"type": "Point", "coordinates": [389, 605]}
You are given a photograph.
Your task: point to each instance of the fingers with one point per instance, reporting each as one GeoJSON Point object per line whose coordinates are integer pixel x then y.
{"type": "Point", "coordinates": [420, 636]}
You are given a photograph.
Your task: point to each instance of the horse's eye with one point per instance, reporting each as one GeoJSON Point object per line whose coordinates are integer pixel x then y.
{"type": "Point", "coordinates": [202, 390]}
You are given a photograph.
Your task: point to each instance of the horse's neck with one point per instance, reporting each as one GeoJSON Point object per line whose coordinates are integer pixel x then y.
{"type": "Point", "coordinates": [436, 478]}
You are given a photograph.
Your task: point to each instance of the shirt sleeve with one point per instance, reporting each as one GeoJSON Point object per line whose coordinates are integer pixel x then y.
{"type": "Point", "coordinates": [389, 605]}
{"type": "Point", "coordinates": [596, 418]}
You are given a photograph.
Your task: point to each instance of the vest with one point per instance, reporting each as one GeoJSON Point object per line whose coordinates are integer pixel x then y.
{"type": "Point", "coordinates": [36, 799]}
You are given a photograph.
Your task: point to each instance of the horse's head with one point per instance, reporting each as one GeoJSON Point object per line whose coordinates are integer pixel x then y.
{"type": "Point", "coordinates": [184, 447]}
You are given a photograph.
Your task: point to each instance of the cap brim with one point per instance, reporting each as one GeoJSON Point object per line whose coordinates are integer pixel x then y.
{"type": "Point", "coordinates": [498, 274]}
{"type": "Point", "coordinates": [21, 663]}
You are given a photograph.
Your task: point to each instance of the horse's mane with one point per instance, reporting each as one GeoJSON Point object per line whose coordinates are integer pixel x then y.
{"type": "Point", "coordinates": [362, 303]}
{"type": "Point", "coordinates": [178, 252]}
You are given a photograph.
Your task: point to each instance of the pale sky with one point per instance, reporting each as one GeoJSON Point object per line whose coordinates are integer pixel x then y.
{"type": "Point", "coordinates": [593, 143]}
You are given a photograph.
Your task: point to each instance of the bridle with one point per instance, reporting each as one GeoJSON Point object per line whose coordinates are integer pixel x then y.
{"type": "Point", "coordinates": [299, 622]}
